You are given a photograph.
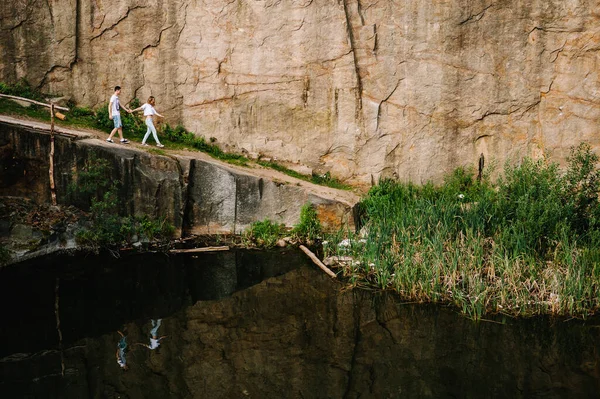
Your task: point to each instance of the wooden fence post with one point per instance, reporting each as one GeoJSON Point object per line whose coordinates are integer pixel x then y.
{"type": "Point", "coordinates": [51, 171]}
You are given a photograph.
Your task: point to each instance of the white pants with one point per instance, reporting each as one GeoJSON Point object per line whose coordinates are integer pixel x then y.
{"type": "Point", "coordinates": [152, 129]}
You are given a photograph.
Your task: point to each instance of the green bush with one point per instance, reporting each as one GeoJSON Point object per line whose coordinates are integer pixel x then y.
{"type": "Point", "coordinates": [81, 112]}
{"type": "Point", "coordinates": [94, 189]}
{"type": "Point", "coordinates": [582, 185]}
{"type": "Point", "coordinates": [21, 89]}
{"type": "Point", "coordinates": [133, 124]}
{"type": "Point", "coordinates": [91, 182]}
{"type": "Point", "coordinates": [309, 228]}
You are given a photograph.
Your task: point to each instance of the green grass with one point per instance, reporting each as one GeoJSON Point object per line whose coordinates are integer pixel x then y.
{"type": "Point", "coordinates": [265, 233]}
{"type": "Point", "coordinates": [323, 180]}
{"type": "Point", "coordinates": [528, 244]}
{"type": "Point", "coordinates": [9, 107]}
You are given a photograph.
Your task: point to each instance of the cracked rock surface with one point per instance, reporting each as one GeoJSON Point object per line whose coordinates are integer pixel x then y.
{"type": "Point", "coordinates": [360, 88]}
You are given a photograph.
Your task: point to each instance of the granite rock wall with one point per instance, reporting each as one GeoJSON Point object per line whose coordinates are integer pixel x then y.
{"type": "Point", "coordinates": [359, 88]}
{"type": "Point", "coordinates": [197, 196]}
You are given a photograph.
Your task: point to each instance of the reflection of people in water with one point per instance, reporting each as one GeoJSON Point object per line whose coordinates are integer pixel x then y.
{"type": "Point", "coordinates": [154, 338]}
{"type": "Point", "coordinates": [121, 350]}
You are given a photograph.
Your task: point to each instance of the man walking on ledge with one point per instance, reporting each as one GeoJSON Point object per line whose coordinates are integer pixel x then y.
{"type": "Point", "coordinates": [115, 115]}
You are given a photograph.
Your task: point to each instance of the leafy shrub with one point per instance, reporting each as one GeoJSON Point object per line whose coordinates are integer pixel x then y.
{"type": "Point", "coordinates": [582, 187]}
{"type": "Point", "coordinates": [21, 89]}
{"type": "Point", "coordinates": [530, 209]}
{"type": "Point", "coordinates": [309, 228]}
{"type": "Point", "coordinates": [81, 112]}
{"type": "Point", "coordinates": [133, 124]}
{"type": "Point", "coordinates": [94, 189]}
{"type": "Point", "coordinates": [91, 183]}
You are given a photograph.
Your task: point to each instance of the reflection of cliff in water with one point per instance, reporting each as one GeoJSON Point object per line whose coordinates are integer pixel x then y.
{"type": "Point", "coordinates": [237, 327]}
{"type": "Point", "coordinates": [99, 294]}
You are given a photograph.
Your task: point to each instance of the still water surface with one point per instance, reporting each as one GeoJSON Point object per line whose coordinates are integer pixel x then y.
{"type": "Point", "coordinates": [249, 324]}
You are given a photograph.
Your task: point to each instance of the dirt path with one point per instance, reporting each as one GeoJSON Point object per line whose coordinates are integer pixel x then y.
{"type": "Point", "coordinates": [347, 197]}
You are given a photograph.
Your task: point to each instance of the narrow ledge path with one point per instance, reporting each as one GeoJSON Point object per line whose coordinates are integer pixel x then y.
{"type": "Point", "coordinates": [345, 197]}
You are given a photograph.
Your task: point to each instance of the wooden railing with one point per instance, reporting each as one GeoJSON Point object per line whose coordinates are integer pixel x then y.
{"type": "Point", "coordinates": [53, 107]}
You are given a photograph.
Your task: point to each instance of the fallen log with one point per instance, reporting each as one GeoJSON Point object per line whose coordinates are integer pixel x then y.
{"type": "Point", "coordinates": [203, 249]}
{"type": "Point", "coordinates": [317, 262]}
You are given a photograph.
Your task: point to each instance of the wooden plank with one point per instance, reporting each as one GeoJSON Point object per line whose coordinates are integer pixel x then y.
{"type": "Point", "coordinates": [317, 262]}
{"type": "Point", "coordinates": [195, 250]}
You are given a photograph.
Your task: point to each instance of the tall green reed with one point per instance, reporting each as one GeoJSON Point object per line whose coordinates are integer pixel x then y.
{"type": "Point", "coordinates": [526, 244]}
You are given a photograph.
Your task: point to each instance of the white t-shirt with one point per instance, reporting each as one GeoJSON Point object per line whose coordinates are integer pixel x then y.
{"type": "Point", "coordinates": [154, 342]}
{"type": "Point", "coordinates": [148, 110]}
{"type": "Point", "coordinates": [115, 105]}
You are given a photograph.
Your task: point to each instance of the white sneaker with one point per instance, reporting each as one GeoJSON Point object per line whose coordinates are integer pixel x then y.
{"type": "Point", "coordinates": [160, 145]}
{"type": "Point", "coordinates": [110, 140]}
{"type": "Point", "coordinates": [124, 141]}
{"type": "Point", "coordinates": [145, 145]}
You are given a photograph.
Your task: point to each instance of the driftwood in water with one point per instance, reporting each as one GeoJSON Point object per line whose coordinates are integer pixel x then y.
{"type": "Point", "coordinates": [203, 249]}
{"type": "Point", "coordinates": [316, 260]}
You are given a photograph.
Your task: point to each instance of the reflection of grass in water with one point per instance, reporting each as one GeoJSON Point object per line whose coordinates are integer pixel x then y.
{"type": "Point", "coordinates": [529, 244]}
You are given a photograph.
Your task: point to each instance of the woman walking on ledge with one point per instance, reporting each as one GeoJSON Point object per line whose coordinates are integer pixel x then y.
{"type": "Point", "coordinates": [149, 111]}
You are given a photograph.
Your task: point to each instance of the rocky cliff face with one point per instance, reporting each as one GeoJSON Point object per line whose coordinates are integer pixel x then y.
{"type": "Point", "coordinates": [196, 195]}
{"type": "Point", "coordinates": [360, 88]}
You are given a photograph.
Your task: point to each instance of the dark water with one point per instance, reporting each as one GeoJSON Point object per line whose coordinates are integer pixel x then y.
{"type": "Point", "coordinates": [247, 324]}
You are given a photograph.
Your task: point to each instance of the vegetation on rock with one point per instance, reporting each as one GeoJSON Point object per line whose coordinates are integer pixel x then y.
{"type": "Point", "coordinates": [527, 244]}
{"type": "Point", "coordinates": [93, 189]}
{"type": "Point", "coordinates": [309, 228]}
{"type": "Point", "coordinates": [266, 234]}
{"type": "Point", "coordinates": [263, 234]}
